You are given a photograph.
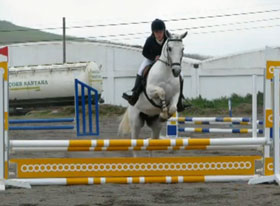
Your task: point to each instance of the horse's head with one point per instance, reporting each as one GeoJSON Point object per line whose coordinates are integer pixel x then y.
{"type": "Point", "coordinates": [173, 51]}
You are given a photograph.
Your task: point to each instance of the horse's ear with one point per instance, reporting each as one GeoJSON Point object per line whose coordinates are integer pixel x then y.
{"type": "Point", "coordinates": [183, 35]}
{"type": "Point", "coordinates": [167, 34]}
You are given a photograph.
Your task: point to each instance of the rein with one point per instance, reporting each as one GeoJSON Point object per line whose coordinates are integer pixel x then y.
{"type": "Point", "coordinates": [150, 100]}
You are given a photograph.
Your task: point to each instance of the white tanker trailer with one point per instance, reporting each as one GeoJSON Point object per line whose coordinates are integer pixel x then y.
{"type": "Point", "coordinates": [50, 84]}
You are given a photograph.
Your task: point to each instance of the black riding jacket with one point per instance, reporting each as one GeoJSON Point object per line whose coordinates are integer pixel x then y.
{"type": "Point", "coordinates": [151, 48]}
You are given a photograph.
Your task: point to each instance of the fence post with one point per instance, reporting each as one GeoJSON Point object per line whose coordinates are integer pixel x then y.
{"type": "Point", "coordinates": [172, 126]}
{"type": "Point", "coordinates": [2, 157]}
{"type": "Point", "coordinates": [4, 138]}
{"type": "Point", "coordinates": [254, 107]}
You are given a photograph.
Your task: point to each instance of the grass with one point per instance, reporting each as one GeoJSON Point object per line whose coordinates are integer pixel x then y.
{"type": "Point", "coordinates": [241, 106]}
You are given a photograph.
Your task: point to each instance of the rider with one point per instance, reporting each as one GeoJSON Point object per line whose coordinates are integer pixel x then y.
{"type": "Point", "coordinates": [151, 52]}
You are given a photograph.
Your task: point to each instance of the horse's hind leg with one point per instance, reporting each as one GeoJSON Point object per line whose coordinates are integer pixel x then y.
{"type": "Point", "coordinates": [156, 126]}
{"type": "Point", "coordinates": [136, 124]}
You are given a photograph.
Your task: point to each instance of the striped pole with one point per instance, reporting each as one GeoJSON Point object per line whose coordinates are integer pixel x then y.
{"type": "Point", "coordinates": [135, 180]}
{"type": "Point", "coordinates": [93, 149]}
{"type": "Point", "coordinates": [259, 122]}
{"type": "Point", "coordinates": [210, 119]}
{"type": "Point", "coordinates": [218, 130]}
{"type": "Point", "coordinates": [6, 116]}
{"type": "Point", "coordinates": [45, 127]}
{"type": "Point", "coordinates": [138, 142]}
{"type": "Point", "coordinates": [2, 143]}
{"type": "Point", "coordinates": [27, 121]}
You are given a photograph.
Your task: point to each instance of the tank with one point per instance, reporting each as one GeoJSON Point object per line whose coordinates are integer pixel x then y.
{"type": "Point", "coordinates": [51, 83]}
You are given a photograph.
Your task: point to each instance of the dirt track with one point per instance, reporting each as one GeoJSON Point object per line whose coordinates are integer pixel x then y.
{"type": "Point", "coordinates": [148, 194]}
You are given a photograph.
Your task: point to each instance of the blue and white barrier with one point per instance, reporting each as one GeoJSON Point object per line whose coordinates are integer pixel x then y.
{"type": "Point", "coordinates": [45, 127]}
{"type": "Point", "coordinates": [84, 126]}
{"type": "Point", "coordinates": [84, 121]}
{"type": "Point", "coordinates": [218, 130]}
{"type": "Point", "coordinates": [173, 125]}
{"type": "Point", "coordinates": [25, 121]}
{"type": "Point", "coordinates": [213, 120]}
{"type": "Point", "coordinates": [259, 122]}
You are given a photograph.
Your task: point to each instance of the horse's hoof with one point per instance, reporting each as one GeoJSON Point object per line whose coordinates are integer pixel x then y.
{"type": "Point", "coordinates": [162, 120]}
{"type": "Point", "coordinates": [163, 116]}
{"type": "Point", "coordinates": [172, 110]}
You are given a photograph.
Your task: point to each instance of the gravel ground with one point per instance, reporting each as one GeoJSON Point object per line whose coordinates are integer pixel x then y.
{"type": "Point", "coordinates": [137, 195]}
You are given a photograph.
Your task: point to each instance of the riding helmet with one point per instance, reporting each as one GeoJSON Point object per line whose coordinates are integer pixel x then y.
{"type": "Point", "coordinates": [158, 25]}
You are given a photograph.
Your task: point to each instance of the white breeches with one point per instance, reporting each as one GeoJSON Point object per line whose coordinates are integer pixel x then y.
{"type": "Point", "coordinates": [145, 63]}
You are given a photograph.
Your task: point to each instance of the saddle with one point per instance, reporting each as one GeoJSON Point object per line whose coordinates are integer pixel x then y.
{"type": "Point", "coordinates": [145, 74]}
{"type": "Point", "coordinates": [147, 70]}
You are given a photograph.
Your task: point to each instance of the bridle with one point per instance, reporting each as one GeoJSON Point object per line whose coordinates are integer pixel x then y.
{"type": "Point", "coordinates": [169, 63]}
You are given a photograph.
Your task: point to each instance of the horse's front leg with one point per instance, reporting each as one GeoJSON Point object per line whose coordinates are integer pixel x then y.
{"type": "Point", "coordinates": [173, 104]}
{"type": "Point", "coordinates": [156, 92]}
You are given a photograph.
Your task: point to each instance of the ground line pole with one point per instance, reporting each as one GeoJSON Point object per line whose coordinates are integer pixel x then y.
{"type": "Point", "coordinates": [254, 107]}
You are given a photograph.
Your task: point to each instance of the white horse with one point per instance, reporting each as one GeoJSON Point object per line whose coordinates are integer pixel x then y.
{"type": "Point", "coordinates": [159, 100]}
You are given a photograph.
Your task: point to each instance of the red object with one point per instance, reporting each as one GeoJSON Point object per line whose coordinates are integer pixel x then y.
{"type": "Point", "coordinates": [4, 51]}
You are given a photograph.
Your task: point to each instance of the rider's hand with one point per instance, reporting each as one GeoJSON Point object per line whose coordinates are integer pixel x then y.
{"type": "Point", "coordinates": [157, 57]}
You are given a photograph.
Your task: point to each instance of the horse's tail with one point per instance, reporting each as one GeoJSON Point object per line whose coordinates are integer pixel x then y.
{"type": "Point", "coordinates": [124, 127]}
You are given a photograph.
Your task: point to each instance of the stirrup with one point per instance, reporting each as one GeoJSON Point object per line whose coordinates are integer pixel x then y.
{"type": "Point", "coordinates": [126, 96]}
{"type": "Point", "coordinates": [132, 99]}
{"type": "Point", "coordinates": [180, 107]}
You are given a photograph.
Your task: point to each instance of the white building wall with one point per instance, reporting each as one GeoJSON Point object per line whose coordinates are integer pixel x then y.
{"type": "Point", "coordinates": [222, 77]}
{"type": "Point", "coordinates": [242, 60]}
{"type": "Point", "coordinates": [214, 78]}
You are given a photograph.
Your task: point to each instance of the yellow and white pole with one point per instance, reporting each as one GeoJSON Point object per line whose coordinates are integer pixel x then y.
{"type": "Point", "coordinates": [2, 158]}
{"type": "Point", "coordinates": [272, 121]}
{"type": "Point", "coordinates": [4, 127]}
{"type": "Point", "coordinates": [3, 122]}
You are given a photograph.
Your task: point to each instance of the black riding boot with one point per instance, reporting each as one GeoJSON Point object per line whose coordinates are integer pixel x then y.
{"type": "Point", "coordinates": [137, 89]}
{"type": "Point", "coordinates": [180, 105]}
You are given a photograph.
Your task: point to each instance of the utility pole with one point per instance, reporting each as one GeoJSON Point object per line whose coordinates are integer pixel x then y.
{"type": "Point", "coordinates": [64, 41]}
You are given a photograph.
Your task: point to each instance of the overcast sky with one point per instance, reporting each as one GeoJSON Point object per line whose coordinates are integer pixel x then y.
{"type": "Point", "coordinates": [216, 36]}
